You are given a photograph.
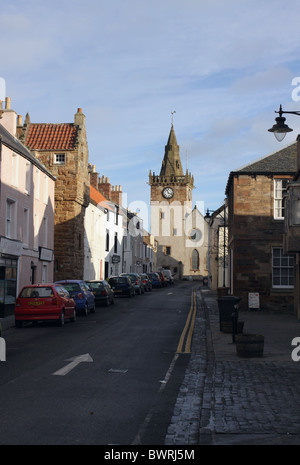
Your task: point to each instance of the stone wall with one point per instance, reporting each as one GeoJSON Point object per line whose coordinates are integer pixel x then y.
{"type": "Point", "coordinates": [253, 234]}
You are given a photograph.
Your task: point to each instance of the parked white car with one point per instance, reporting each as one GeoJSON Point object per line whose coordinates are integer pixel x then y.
{"type": "Point", "coordinates": [168, 276]}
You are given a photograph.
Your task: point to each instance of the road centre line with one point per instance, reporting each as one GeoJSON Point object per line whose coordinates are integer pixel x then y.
{"type": "Point", "coordinates": [148, 418]}
{"type": "Point", "coordinates": [168, 374]}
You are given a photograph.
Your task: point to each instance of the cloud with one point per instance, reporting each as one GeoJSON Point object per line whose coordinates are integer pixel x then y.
{"type": "Point", "coordinates": [223, 66]}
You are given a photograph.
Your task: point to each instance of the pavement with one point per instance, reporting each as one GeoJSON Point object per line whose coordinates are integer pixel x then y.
{"type": "Point", "coordinates": [226, 399]}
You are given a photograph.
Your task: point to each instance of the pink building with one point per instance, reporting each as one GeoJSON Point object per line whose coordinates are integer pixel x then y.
{"type": "Point", "coordinates": [26, 214]}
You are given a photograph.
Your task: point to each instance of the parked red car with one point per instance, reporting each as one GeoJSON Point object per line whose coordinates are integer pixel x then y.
{"type": "Point", "coordinates": [44, 302]}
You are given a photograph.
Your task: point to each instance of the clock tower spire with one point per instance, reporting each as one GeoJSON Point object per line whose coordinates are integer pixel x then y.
{"type": "Point", "coordinates": [171, 184]}
{"type": "Point", "coordinates": [172, 218]}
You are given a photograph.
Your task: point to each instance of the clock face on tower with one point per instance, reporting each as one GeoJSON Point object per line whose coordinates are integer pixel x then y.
{"type": "Point", "coordinates": [168, 192]}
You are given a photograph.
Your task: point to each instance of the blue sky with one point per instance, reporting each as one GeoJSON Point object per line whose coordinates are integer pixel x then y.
{"type": "Point", "coordinates": [224, 66]}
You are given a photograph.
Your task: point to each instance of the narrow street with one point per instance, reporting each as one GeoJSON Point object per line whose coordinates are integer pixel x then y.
{"type": "Point", "coordinates": [109, 378]}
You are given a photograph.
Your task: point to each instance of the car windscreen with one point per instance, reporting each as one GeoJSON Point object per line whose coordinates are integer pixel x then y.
{"type": "Point", "coordinates": [118, 280]}
{"type": "Point", "coordinates": [95, 286]}
{"type": "Point", "coordinates": [71, 287]}
{"type": "Point", "coordinates": [34, 292]}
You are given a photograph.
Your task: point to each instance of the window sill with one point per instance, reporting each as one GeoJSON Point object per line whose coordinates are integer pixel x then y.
{"type": "Point", "coordinates": [277, 290]}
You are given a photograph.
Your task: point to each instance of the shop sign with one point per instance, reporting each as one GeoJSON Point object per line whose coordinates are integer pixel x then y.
{"type": "Point", "coordinates": [45, 255]}
{"type": "Point", "coordinates": [10, 247]}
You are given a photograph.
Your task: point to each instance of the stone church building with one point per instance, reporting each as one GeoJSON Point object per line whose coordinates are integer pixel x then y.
{"type": "Point", "coordinates": [179, 229]}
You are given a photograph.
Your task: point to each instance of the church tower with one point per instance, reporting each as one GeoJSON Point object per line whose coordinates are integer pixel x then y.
{"type": "Point", "coordinates": [178, 229]}
{"type": "Point", "coordinates": [171, 184]}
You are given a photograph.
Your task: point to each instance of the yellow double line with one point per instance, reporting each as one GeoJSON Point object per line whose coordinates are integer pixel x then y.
{"type": "Point", "coordinates": [187, 332]}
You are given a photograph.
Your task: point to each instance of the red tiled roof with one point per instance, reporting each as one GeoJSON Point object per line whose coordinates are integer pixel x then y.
{"type": "Point", "coordinates": [99, 198]}
{"type": "Point", "coordinates": [51, 136]}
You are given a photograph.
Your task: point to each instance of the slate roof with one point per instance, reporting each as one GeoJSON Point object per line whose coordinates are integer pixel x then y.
{"type": "Point", "coordinates": [16, 146]}
{"type": "Point", "coordinates": [282, 162]}
{"type": "Point", "coordinates": [43, 136]}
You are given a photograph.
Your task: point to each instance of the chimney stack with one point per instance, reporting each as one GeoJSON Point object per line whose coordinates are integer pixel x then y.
{"type": "Point", "coordinates": [117, 195]}
{"type": "Point", "coordinates": [104, 187]}
{"type": "Point", "coordinates": [9, 118]}
{"type": "Point", "coordinates": [7, 103]}
{"type": "Point", "coordinates": [79, 118]}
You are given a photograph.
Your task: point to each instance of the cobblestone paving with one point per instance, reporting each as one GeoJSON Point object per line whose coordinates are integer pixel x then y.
{"type": "Point", "coordinates": [234, 402]}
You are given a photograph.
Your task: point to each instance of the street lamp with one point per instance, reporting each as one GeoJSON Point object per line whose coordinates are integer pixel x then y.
{"type": "Point", "coordinates": [280, 129]}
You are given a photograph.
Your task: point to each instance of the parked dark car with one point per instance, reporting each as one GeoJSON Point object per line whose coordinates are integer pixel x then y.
{"type": "Point", "coordinates": [121, 285]}
{"type": "Point", "coordinates": [146, 281]}
{"type": "Point", "coordinates": [104, 295]}
{"type": "Point", "coordinates": [155, 279]}
{"type": "Point", "coordinates": [44, 302]}
{"type": "Point", "coordinates": [136, 281]}
{"type": "Point", "coordinates": [81, 293]}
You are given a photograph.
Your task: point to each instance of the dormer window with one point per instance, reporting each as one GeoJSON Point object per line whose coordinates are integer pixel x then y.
{"type": "Point", "coordinates": [59, 158]}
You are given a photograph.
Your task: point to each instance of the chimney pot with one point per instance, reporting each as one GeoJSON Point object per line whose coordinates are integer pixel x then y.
{"type": "Point", "coordinates": [19, 120]}
{"type": "Point", "coordinates": [79, 110]}
{"type": "Point", "coordinates": [7, 103]}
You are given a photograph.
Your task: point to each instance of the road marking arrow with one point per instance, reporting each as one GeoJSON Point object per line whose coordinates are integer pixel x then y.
{"type": "Point", "coordinates": [74, 362]}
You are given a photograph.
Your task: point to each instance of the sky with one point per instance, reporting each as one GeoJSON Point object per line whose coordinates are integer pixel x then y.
{"type": "Point", "coordinates": [224, 67]}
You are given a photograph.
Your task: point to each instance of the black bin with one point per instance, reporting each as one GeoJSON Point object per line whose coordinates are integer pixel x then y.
{"type": "Point", "coordinates": [228, 305]}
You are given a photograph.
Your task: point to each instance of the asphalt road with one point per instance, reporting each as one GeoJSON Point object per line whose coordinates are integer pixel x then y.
{"type": "Point", "coordinates": [122, 390]}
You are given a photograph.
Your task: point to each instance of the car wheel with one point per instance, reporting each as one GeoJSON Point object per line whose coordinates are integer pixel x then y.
{"type": "Point", "coordinates": [73, 319]}
{"type": "Point", "coordinates": [61, 320]}
{"type": "Point", "coordinates": [19, 323]}
{"type": "Point", "coordinates": [112, 301]}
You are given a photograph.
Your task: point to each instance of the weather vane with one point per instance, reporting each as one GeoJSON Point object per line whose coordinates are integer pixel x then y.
{"type": "Point", "coordinates": [172, 113]}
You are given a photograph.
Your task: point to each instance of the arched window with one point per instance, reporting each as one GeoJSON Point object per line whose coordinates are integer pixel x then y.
{"type": "Point", "coordinates": [195, 260]}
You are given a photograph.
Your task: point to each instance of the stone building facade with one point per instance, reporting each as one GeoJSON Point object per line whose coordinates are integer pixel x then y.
{"type": "Point", "coordinates": [26, 213]}
{"type": "Point", "coordinates": [258, 265]}
{"type": "Point", "coordinates": [63, 149]}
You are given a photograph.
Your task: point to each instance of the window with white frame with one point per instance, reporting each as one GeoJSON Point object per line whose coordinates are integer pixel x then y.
{"type": "Point", "coordinates": [279, 191]}
{"type": "Point", "coordinates": [37, 184]}
{"type": "Point", "coordinates": [282, 269]}
{"type": "Point", "coordinates": [11, 218]}
{"type": "Point", "coordinates": [28, 178]}
{"type": "Point", "coordinates": [59, 158]}
{"type": "Point", "coordinates": [44, 228]}
{"type": "Point", "coordinates": [36, 228]}
{"type": "Point", "coordinates": [25, 229]}
{"type": "Point", "coordinates": [45, 189]}
{"type": "Point", "coordinates": [15, 169]}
